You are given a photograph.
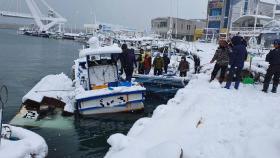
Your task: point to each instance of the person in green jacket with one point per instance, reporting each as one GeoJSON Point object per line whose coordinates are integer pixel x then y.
{"type": "Point", "coordinates": [158, 65]}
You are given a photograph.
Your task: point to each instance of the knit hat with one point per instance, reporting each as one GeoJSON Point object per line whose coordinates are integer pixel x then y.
{"type": "Point", "coordinates": [276, 42]}
{"type": "Point", "coordinates": [124, 46]}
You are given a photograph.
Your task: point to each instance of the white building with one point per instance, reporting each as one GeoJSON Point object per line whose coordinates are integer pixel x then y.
{"type": "Point", "coordinates": [249, 16]}
{"type": "Point", "coordinates": [177, 27]}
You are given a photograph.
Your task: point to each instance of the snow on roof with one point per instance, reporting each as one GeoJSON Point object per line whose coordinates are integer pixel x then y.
{"type": "Point", "coordinates": [114, 49]}
{"type": "Point", "coordinates": [53, 86]}
{"type": "Point", "coordinates": [245, 17]}
{"type": "Point", "coordinates": [72, 34]}
{"type": "Point", "coordinates": [146, 38]}
{"type": "Point", "coordinates": [269, 1]}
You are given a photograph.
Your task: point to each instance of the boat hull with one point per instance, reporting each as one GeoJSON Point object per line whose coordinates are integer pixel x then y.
{"type": "Point", "coordinates": [111, 103]}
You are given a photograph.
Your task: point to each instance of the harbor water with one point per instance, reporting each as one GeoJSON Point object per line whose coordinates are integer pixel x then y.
{"type": "Point", "coordinates": [25, 60]}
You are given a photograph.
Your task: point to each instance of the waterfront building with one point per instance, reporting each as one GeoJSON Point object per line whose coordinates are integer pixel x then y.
{"type": "Point", "coordinates": [176, 27]}
{"type": "Point", "coordinates": [245, 17]}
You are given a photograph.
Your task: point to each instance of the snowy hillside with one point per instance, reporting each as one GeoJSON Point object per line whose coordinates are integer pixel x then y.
{"type": "Point", "coordinates": [206, 121]}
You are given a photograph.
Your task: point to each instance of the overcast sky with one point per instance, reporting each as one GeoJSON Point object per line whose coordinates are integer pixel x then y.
{"type": "Point", "coordinates": [132, 13]}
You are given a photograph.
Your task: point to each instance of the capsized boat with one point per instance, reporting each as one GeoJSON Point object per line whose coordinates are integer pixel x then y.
{"type": "Point", "coordinates": [98, 86]}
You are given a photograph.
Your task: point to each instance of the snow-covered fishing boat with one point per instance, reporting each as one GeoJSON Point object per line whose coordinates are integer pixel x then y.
{"type": "Point", "coordinates": [98, 86]}
{"type": "Point", "coordinates": [46, 104]}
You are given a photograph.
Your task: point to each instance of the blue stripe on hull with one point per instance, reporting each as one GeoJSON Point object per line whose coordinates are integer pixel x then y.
{"type": "Point", "coordinates": [108, 95]}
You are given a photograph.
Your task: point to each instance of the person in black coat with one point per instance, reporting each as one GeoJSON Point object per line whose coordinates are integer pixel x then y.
{"type": "Point", "coordinates": [196, 60]}
{"type": "Point", "coordinates": [127, 58]}
{"type": "Point", "coordinates": [236, 61]}
{"type": "Point", "coordinates": [273, 58]}
{"type": "Point", "coordinates": [166, 61]}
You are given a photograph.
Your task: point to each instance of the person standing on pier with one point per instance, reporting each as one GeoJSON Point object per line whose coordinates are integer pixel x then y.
{"type": "Point", "coordinates": [236, 61]}
{"type": "Point", "coordinates": [222, 59]}
{"type": "Point", "coordinates": [158, 64]}
{"type": "Point", "coordinates": [183, 67]}
{"type": "Point", "coordinates": [273, 58]}
{"type": "Point", "coordinates": [147, 63]}
{"type": "Point", "coordinates": [196, 60]}
{"type": "Point", "coordinates": [127, 58]}
{"type": "Point", "coordinates": [166, 62]}
{"type": "Point", "coordinates": [140, 60]}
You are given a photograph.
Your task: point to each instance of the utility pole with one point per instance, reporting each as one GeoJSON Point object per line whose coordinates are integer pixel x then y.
{"type": "Point", "coordinates": [207, 21]}
{"type": "Point", "coordinates": [177, 19]}
{"type": "Point", "coordinates": [229, 26]}
{"type": "Point", "coordinates": [256, 14]}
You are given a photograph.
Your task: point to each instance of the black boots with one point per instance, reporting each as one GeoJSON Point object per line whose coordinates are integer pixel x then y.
{"type": "Point", "coordinates": [274, 89]}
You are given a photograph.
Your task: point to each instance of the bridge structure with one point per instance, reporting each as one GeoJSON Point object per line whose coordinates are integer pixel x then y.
{"type": "Point", "coordinates": [44, 22]}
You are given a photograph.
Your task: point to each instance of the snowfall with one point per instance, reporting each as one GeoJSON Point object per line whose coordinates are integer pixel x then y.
{"type": "Point", "coordinates": [205, 120]}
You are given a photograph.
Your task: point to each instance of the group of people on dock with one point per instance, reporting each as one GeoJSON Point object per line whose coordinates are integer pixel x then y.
{"type": "Point", "coordinates": [144, 63]}
{"type": "Point", "coordinates": [231, 56]}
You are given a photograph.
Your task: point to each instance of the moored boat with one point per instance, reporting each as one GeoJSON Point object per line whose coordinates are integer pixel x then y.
{"type": "Point", "coordinates": [99, 89]}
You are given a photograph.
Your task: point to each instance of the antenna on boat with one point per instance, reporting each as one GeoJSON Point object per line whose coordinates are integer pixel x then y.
{"type": "Point", "coordinates": [3, 101]}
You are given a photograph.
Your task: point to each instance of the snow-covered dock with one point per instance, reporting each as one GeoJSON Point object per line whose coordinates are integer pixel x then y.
{"type": "Point", "coordinates": [206, 120]}
{"type": "Point", "coordinates": [22, 143]}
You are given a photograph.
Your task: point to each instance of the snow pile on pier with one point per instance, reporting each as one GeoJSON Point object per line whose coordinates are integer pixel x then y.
{"type": "Point", "coordinates": [206, 121]}
{"type": "Point", "coordinates": [53, 86]}
{"type": "Point", "coordinates": [29, 145]}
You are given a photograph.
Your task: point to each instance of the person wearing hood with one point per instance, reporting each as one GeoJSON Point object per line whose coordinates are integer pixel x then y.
{"type": "Point", "coordinates": [184, 67]}
{"type": "Point", "coordinates": [273, 58]}
{"type": "Point", "coordinates": [158, 65]}
{"type": "Point", "coordinates": [127, 58]}
{"type": "Point", "coordinates": [236, 61]}
{"type": "Point", "coordinates": [222, 59]}
{"type": "Point", "coordinates": [147, 63]}
{"type": "Point", "coordinates": [166, 62]}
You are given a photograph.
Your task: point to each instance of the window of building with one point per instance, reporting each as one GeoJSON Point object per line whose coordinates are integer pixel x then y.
{"type": "Point", "coordinates": [216, 12]}
{"type": "Point", "coordinates": [227, 8]}
{"type": "Point", "coordinates": [182, 26]}
{"type": "Point", "coordinates": [214, 24]}
{"type": "Point", "coordinates": [174, 26]}
{"type": "Point", "coordinates": [163, 24]}
{"type": "Point", "coordinates": [225, 23]}
{"type": "Point", "coordinates": [245, 7]}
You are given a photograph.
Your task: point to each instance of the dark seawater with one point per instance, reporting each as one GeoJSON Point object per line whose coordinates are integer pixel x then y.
{"type": "Point", "coordinates": [25, 60]}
